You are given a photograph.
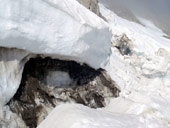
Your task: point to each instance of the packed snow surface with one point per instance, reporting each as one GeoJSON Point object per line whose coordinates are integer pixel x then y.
{"type": "Point", "coordinates": [59, 28]}
{"type": "Point", "coordinates": [79, 116]}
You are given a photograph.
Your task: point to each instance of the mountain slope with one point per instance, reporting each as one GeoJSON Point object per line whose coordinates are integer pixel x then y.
{"type": "Point", "coordinates": [45, 31]}
{"type": "Point", "coordinates": [142, 75]}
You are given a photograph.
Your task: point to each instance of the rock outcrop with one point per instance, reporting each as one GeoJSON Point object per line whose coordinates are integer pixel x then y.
{"type": "Point", "coordinates": [92, 5]}
{"type": "Point", "coordinates": [123, 44]}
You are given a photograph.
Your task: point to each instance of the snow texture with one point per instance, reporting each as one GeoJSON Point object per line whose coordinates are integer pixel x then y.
{"type": "Point", "coordinates": [143, 76]}
{"type": "Point", "coordinates": [146, 39]}
{"type": "Point", "coordinates": [60, 28]}
{"type": "Point", "coordinates": [65, 29]}
{"type": "Point", "coordinates": [11, 66]}
{"type": "Point", "coordinates": [79, 116]}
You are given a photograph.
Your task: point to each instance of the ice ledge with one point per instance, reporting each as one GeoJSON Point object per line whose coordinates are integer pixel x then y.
{"type": "Point", "coordinates": [58, 28]}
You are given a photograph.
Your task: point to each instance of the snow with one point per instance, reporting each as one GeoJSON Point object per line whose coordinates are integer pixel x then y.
{"type": "Point", "coordinates": [11, 66]}
{"type": "Point", "coordinates": [79, 116]}
{"type": "Point", "coordinates": [65, 29]}
{"type": "Point", "coordinates": [9, 119]}
{"type": "Point", "coordinates": [59, 28]}
{"type": "Point", "coordinates": [143, 79]}
{"type": "Point", "coordinates": [144, 76]}
{"type": "Point", "coordinates": [146, 39]}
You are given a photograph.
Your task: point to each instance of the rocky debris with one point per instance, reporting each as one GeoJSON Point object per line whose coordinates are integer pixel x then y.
{"type": "Point", "coordinates": [167, 36]}
{"type": "Point", "coordinates": [92, 5]}
{"type": "Point", "coordinates": [35, 98]}
{"type": "Point", "coordinates": [123, 43]}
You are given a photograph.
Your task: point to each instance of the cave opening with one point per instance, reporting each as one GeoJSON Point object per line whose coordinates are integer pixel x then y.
{"type": "Point", "coordinates": [39, 67]}
{"type": "Point", "coordinates": [48, 82]}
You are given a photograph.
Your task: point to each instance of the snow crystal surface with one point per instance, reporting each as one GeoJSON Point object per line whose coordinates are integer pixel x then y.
{"type": "Point", "coordinates": [59, 28]}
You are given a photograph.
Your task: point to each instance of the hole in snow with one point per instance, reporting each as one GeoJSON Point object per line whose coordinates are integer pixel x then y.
{"type": "Point", "coordinates": [48, 82]}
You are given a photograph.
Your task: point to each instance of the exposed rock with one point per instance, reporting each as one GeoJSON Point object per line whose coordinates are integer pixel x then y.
{"type": "Point", "coordinates": [35, 98]}
{"type": "Point", "coordinates": [123, 43]}
{"type": "Point", "coordinates": [167, 36]}
{"type": "Point", "coordinates": [92, 5]}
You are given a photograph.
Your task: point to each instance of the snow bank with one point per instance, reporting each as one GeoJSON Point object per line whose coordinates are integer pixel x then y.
{"type": "Point", "coordinates": [145, 86]}
{"type": "Point", "coordinates": [79, 116]}
{"type": "Point", "coordinates": [59, 28]}
{"type": "Point", "coordinates": [143, 76]}
{"type": "Point", "coordinates": [11, 66]}
{"type": "Point", "coordinates": [146, 39]}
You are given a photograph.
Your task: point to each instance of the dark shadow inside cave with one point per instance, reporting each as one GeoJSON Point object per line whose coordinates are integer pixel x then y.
{"type": "Point", "coordinates": [90, 87]}
{"type": "Point", "coordinates": [39, 67]}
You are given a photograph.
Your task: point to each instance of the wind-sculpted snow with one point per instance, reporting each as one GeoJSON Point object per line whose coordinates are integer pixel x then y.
{"type": "Point", "coordinates": [59, 28]}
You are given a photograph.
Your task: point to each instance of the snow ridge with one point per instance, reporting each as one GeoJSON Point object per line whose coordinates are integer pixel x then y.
{"type": "Point", "coordinates": [59, 28]}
